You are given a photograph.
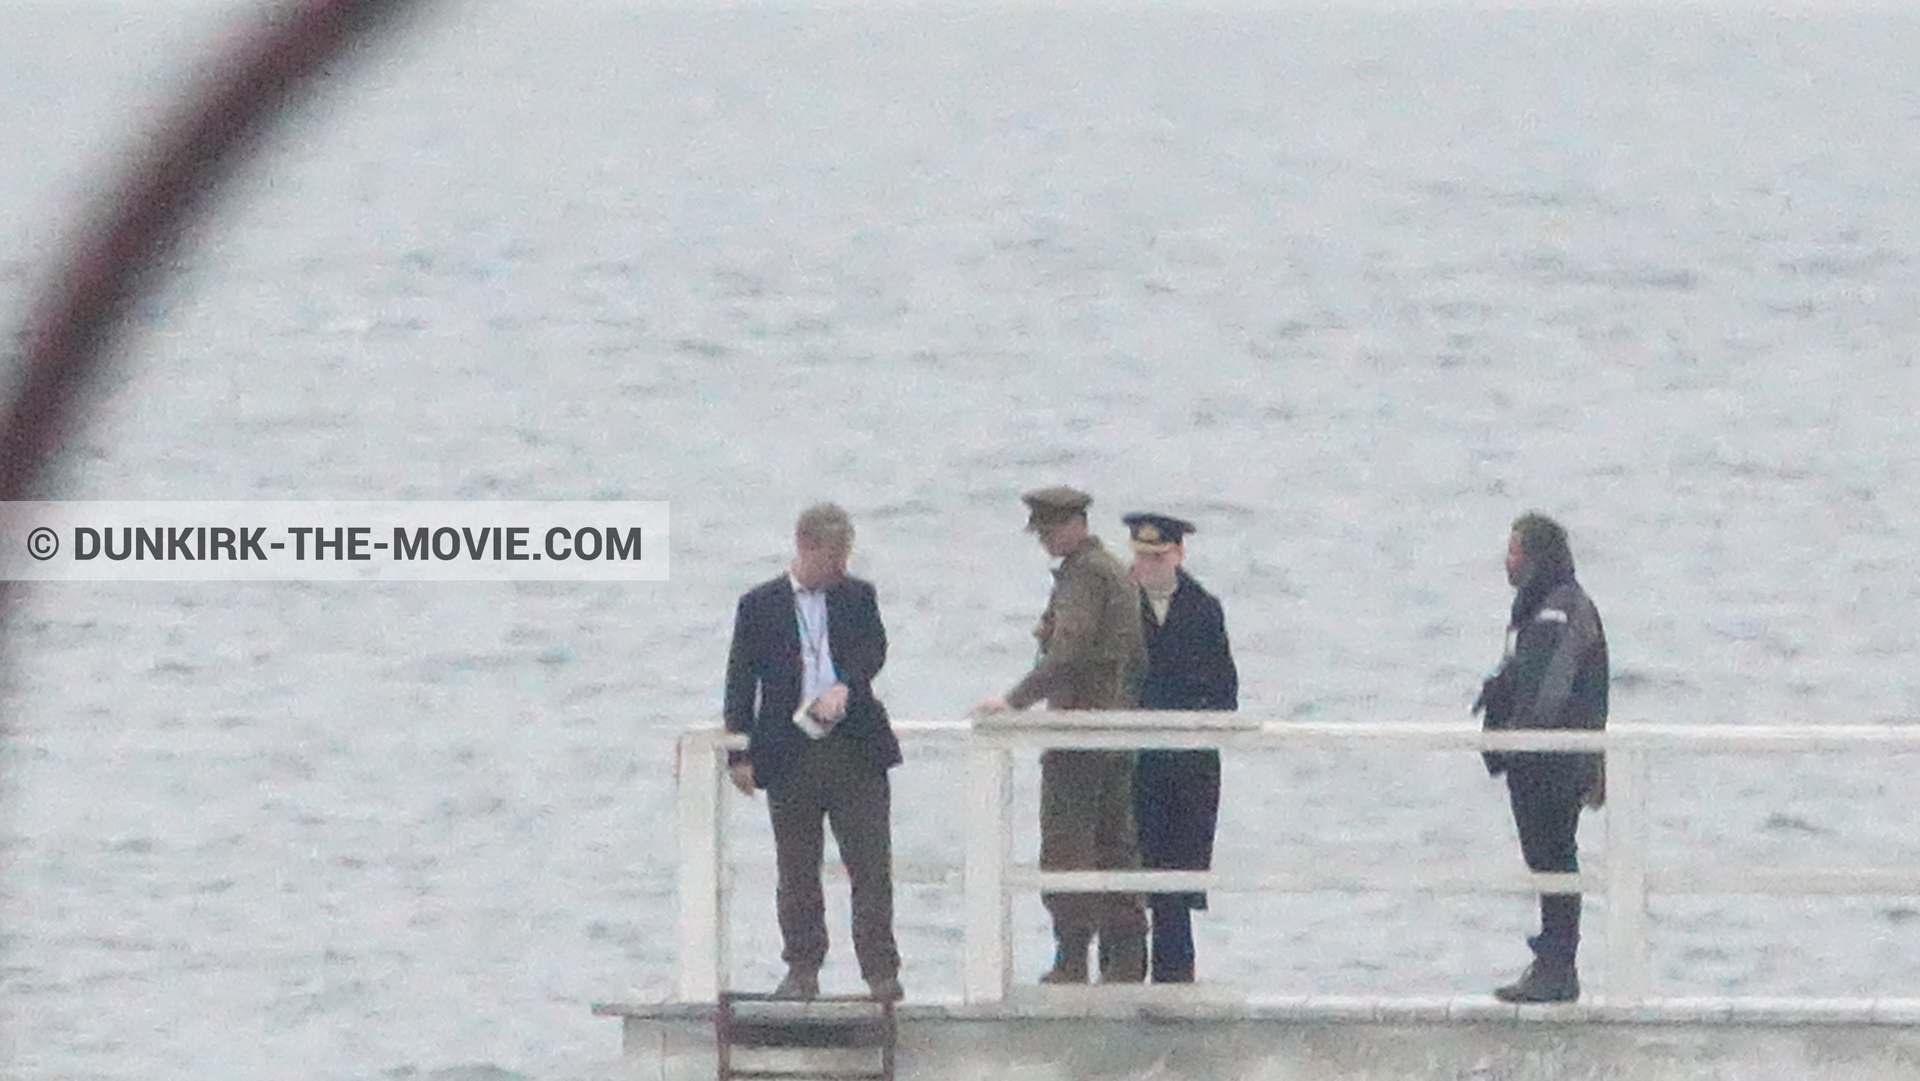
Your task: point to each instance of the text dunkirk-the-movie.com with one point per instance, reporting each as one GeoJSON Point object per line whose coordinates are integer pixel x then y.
{"type": "Point", "coordinates": [109, 541]}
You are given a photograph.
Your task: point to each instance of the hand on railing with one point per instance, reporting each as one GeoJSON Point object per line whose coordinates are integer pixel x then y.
{"type": "Point", "coordinates": [988, 706]}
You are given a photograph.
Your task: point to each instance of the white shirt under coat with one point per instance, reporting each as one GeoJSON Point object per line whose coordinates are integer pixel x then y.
{"type": "Point", "coordinates": [816, 652]}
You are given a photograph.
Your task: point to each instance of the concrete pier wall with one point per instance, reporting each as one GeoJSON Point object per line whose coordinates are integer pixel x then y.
{"type": "Point", "coordinates": [937, 1044]}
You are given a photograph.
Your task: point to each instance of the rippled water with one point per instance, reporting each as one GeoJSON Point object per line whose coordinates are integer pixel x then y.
{"type": "Point", "coordinates": [1350, 290]}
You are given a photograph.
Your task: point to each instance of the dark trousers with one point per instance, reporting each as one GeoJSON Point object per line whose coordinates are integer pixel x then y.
{"type": "Point", "coordinates": [1546, 808]}
{"type": "Point", "coordinates": [1176, 805]}
{"type": "Point", "coordinates": [832, 780]}
{"type": "Point", "coordinates": [1172, 937]}
{"type": "Point", "coordinates": [1086, 824]}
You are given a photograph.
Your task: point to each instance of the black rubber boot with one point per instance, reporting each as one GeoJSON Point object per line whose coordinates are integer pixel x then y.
{"type": "Point", "coordinates": [1069, 958]}
{"type": "Point", "coordinates": [1553, 976]}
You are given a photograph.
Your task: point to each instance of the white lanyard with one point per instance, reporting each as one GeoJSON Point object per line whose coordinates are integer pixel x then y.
{"type": "Point", "coordinates": [816, 660]}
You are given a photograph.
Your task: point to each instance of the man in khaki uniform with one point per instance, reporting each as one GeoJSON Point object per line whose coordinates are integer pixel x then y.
{"type": "Point", "coordinates": [1092, 655]}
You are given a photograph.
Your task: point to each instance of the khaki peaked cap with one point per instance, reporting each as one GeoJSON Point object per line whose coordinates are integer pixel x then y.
{"type": "Point", "coordinates": [1046, 505]}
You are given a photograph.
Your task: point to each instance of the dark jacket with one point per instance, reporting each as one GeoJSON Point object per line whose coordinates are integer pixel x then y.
{"type": "Point", "coordinates": [1189, 662]}
{"type": "Point", "coordinates": [764, 682]}
{"type": "Point", "coordinates": [1554, 675]}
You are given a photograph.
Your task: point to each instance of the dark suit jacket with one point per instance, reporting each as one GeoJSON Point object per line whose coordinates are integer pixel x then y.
{"type": "Point", "coordinates": [763, 675]}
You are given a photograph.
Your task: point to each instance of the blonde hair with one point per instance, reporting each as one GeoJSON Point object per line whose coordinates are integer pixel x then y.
{"type": "Point", "coordinates": [825, 525]}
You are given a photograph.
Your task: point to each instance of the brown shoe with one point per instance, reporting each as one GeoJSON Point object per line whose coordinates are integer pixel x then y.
{"type": "Point", "coordinates": [1123, 957]}
{"type": "Point", "coordinates": [885, 989]}
{"type": "Point", "coordinates": [1069, 959]}
{"type": "Point", "coordinates": [798, 984]}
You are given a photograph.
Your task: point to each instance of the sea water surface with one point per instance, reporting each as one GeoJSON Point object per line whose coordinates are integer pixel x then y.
{"type": "Point", "coordinates": [1348, 289]}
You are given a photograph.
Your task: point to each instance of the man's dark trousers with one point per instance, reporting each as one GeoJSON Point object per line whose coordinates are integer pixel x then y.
{"type": "Point", "coordinates": [1546, 803]}
{"type": "Point", "coordinates": [834, 780]}
{"type": "Point", "coordinates": [1176, 801]}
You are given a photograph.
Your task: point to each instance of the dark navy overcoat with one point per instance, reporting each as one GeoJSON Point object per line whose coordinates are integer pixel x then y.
{"type": "Point", "coordinates": [1176, 794]}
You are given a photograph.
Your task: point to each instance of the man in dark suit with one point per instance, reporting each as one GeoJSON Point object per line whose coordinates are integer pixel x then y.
{"type": "Point", "coordinates": [806, 648]}
{"type": "Point", "coordinates": [1176, 793]}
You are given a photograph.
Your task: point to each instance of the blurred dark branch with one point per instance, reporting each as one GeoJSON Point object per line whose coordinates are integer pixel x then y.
{"type": "Point", "coordinates": [114, 257]}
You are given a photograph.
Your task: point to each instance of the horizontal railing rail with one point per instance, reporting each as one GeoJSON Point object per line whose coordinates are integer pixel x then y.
{"type": "Point", "coordinates": [990, 875]}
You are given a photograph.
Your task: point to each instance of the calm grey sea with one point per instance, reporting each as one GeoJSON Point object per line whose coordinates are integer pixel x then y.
{"type": "Point", "coordinates": [1349, 290]}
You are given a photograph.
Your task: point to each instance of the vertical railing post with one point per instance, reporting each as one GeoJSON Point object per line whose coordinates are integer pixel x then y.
{"type": "Point", "coordinates": [699, 778]}
{"type": "Point", "coordinates": [989, 809]}
{"type": "Point", "coordinates": [1628, 779]}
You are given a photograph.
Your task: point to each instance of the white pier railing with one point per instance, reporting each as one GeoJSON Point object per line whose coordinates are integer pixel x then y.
{"type": "Point", "coordinates": [991, 876]}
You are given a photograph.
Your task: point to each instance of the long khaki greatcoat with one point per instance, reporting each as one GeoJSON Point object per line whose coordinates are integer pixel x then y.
{"type": "Point", "coordinates": [1093, 655]}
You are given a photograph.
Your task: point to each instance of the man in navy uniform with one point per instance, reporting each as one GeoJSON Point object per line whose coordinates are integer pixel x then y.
{"type": "Point", "coordinates": [1553, 675]}
{"type": "Point", "coordinates": [1176, 793]}
{"type": "Point", "coordinates": [806, 648]}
